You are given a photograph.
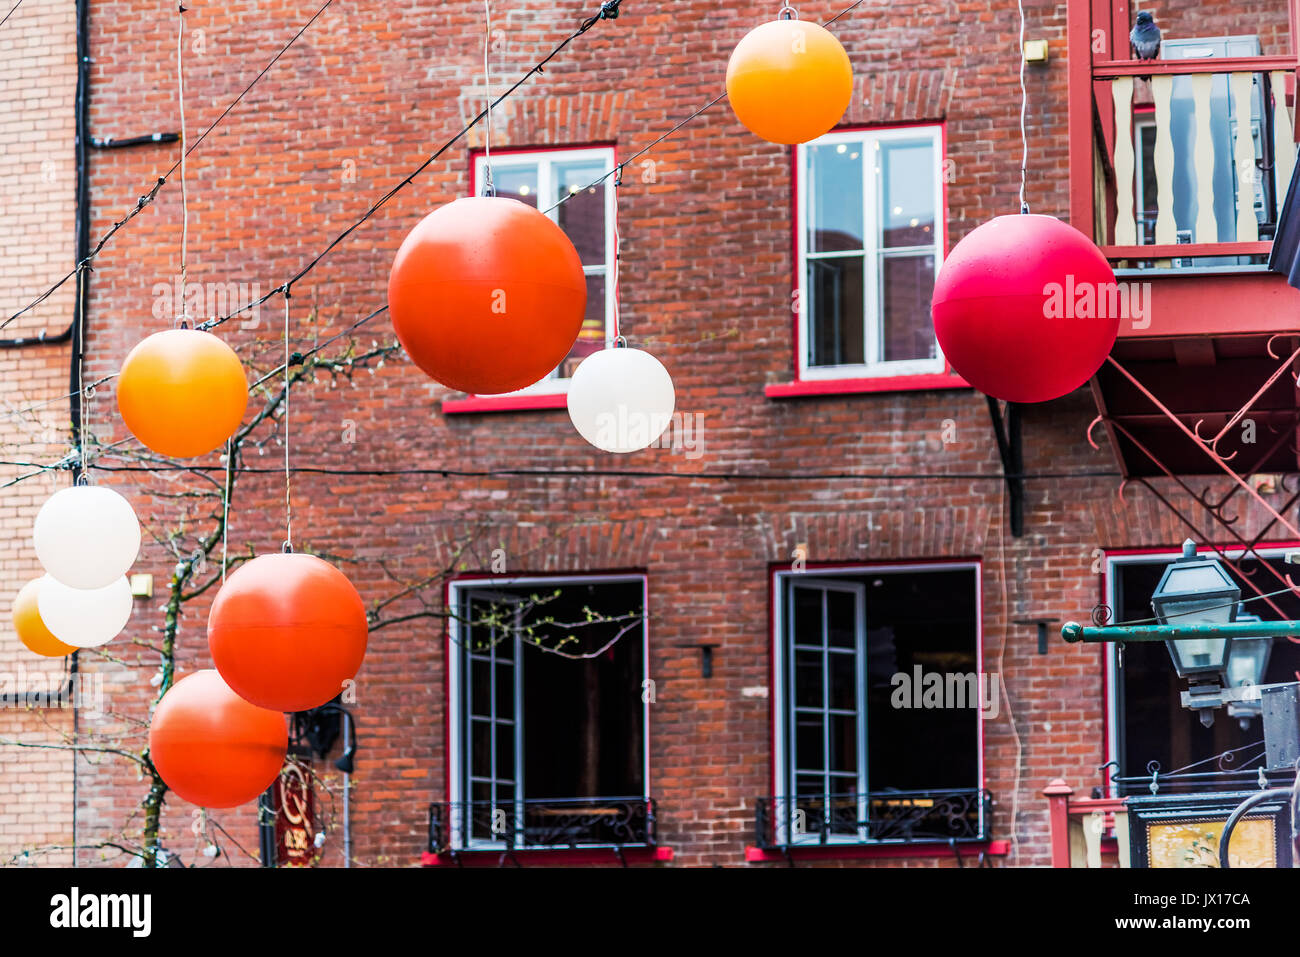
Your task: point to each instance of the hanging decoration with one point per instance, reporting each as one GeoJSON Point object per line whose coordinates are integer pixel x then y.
{"type": "Point", "coordinates": [1023, 308]}
{"type": "Point", "coordinates": [621, 399]}
{"type": "Point", "coordinates": [487, 295]}
{"type": "Point", "coordinates": [86, 536]}
{"type": "Point", "coordinates": [182, 392]}
{"type": "Point", "coordinates": [84, 617]}
{"type": "Point", "coordinates": [29, 627]}
{"type": "Point", "coordinates": [286, 631]}
{"type": "Point", "coordinates": [789, 80]}
{"type": "Point", "coordinates": [212, 747]}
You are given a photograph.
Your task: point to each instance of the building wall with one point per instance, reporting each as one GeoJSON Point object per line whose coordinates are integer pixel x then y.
{"type": "Point", "coordinates": [363, 98]}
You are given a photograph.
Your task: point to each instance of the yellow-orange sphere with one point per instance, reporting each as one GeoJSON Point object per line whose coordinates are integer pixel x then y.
{"type": "Point", "coordinates": [31, 628]}
{"type": "Point", "coordinates": [182, 392]}
{"type": "Point", "coordinates": [789, 81]}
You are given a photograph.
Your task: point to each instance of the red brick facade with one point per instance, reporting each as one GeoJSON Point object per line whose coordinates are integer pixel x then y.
{"type": "Point", "coordinates": [366, 94]}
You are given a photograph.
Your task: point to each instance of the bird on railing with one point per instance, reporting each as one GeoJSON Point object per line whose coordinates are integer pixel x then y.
{"type": "Point", "coordinates": [1145, 37]}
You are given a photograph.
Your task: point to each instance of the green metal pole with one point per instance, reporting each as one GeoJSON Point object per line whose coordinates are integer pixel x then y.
{"type": "Point", "coordinates": [1072, 631]}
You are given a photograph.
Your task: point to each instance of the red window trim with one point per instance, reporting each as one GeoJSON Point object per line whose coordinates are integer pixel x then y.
{"type": "Point", "coordinates": [539, 402]}
{"type": "Point", "coordinates": [878, 852]}
{"type": "Point", "coordinates": [807, 388]}
{"type": "Point", "coordinates": [801, 388]}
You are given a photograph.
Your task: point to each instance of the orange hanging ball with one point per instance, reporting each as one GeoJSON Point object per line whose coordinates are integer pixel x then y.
{"type": "Point", "coordinates": [789, 81]}
{"type": "Point", "coordinates": [211, 746]}
{"type": "Point", "coordinates": [487, 295]}
{"type": "Point", "coordinates": [31, 628]}
{"type": "Point", "coordinates": [182, 392]}
{"type": "Point", "coordinates": [286, 631]}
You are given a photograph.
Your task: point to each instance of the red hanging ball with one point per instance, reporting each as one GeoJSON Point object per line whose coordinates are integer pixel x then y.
{"type": "Point", "coordinates": [211, 746]}
{"type": "Point", "coordinates": [487, 295]}
{"type": "Point", "coordinates": [1026, 308]}
{"type": "Point", "coordinates": [286, 631]}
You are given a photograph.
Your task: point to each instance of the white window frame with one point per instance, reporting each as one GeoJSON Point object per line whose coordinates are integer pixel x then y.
{"type": "Point", "coordinates": [867, 140]}
{"type": "Point", "coordinates": [457, 747]}
{"type": "Point", "coordinates": [545, 161]}
{"type": "Point", "coordinates": [1161, 557]}
{"type": "Point", "coordinates": [781, 690]}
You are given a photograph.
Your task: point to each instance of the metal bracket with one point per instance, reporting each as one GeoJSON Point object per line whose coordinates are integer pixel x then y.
{"type": "Point", "coordinates": [1010, 450]}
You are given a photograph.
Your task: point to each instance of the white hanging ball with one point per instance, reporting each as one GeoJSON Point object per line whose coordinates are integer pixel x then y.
{"type": "Point", "coordinates": [84, 618]}
{"type": "Point", "coordinates": [621, 399]}
{"type": "Point", "coordinates": [86, 536]}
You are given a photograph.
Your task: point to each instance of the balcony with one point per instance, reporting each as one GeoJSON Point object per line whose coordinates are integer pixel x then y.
{"type": "Point", "coordinates": [568, 824]}
{"type": "Point", "coordinates": [889, 817]}
{"type": "Point", "coordinates": [1179, 166]}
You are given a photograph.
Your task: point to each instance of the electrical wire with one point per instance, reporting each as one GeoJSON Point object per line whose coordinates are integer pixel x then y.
{"type": "Point", "coordinates": [149, 196]}
{"type": "Point", "coordinates": [608, 11]}
{"type": "Point", "coordinates": [1024, 105]}
{"type": "Point", "coordinates": [11, 12]}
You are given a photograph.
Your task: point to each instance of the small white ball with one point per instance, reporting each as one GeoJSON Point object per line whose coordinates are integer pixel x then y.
{"type": "Point", "coordinates": [86, 536]}
{"type": "Point", "coordinates": [85, 618]}
{"type": "Point", "coordinates": [621, 399]}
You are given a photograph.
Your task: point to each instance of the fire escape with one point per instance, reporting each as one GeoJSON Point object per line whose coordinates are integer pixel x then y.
{"type": "Point", "coordinates": [1178, 170]}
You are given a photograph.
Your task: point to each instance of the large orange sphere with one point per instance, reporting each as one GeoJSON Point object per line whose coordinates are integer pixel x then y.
{"type": "Point", "coordinates": [211, 746]}
{"type": "Point", "coordinates": [286, 631]}
{"type": "Point", "coordinates": [182, 392]}
{"type": "Point", "coordinates": [487, 295]}
{"type": "Point", "coordinates": [31, 628]}
{"type": "Point", "coordinates": [789, 81]}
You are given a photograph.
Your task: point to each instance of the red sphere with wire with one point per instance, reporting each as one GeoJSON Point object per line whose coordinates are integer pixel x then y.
{"type": "Point", "coordinates": [487, 295]}
{"type": "Point", "coordinates": [1026, 308]}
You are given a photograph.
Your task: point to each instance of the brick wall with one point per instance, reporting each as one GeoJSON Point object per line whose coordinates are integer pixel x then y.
{"type": "Point", "coordinates": [366, 94]}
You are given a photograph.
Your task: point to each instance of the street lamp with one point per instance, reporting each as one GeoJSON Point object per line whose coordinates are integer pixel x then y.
{"type": "Point", "coordinates": [1247, 663]}
{"type": "Point", "coordinates": [1196, 590]}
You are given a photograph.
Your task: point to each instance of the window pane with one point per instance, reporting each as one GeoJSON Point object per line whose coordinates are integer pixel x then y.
{"type": "Point", "coordinates": [517, 181]}
{"type": "Point", "coordinates": [907, 193]}
{"type": "Point", "coordinates": [834, 174]}
{"type": "Point", "coordinates": [481, 748]}
{"type": "Point", "coordinates": [843, 681]}
{"type": "Point", "coordinates": [843, 745]}
{"type": "Point", "coordinates": [583, 216]}
{"type": "Point", "coordinates": [480, 687]}
{"type": "Point", "coordinates": [834, 305]}
{"type": "Point", "coordinates": [807, 616]}
{"type": "Point", "coordinates": [841, 619]}
{"type": "Point", "coordinates": [907, 283]}
{"type": "Point", "coordinates": [505, 703]}
{"type": "Point", "coordinates": [808, 742]}
{"type": "Point", "coordinates": [505, 767]}
{"type": "Point", "coordinates": [808, 679]}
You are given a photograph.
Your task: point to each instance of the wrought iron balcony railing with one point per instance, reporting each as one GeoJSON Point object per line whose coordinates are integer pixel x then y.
{"type": "Point", "coordinates": [541, 823]}
{"type": "Point", "coordinates": [883, 817]}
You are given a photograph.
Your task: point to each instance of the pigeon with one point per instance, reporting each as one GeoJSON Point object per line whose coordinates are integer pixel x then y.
{"type": "Point", "coordinates": [1145, 37]}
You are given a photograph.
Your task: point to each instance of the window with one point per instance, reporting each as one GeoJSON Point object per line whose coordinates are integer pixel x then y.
{"type": "Point", "coordinates": [1148, 722]}
{"type": "Point", "coordinates": [540, 179]}
{"type": "Point", "coordinates": [870, 241]}
{"type": "Point", "coordinates": [548, 749]}
{"type": "Point", "coordinates": [871, 661]}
